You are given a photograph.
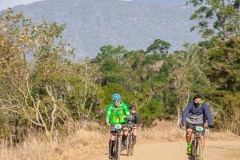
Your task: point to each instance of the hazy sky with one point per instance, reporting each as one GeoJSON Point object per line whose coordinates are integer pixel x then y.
{"type": "Point", "coordinates": [4, 4]}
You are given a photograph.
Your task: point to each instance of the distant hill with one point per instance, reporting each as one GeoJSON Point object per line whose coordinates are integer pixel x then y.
{"type": "Point", "coordinates": [179, 2]}
{"type": "Point", "coordinates": [95, 23]}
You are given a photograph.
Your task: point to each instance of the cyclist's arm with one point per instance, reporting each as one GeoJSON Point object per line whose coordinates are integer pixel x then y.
{"type": "Point", "coordinates": [126, 110]}
{"type": "Point", "coordinates": [107, 119]}
{"type": "Point", "coordinates": [185, 112]}
{"type": "Point", "coordinates": [208, 114]}
{"type": "Point", "coordinates": [137, 119]}
{"type": "Point", "coordinates": [108, 113]}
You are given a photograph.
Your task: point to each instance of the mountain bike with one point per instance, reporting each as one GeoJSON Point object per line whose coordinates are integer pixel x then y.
{"type": "Point", "coordinates": [118, 139]}
{"type": "Point", "coordinates": [125, 127]}
{"type": "Point", "coordinates": [196, 143]}
{"type": "Point", "coordinates": [130, 144]}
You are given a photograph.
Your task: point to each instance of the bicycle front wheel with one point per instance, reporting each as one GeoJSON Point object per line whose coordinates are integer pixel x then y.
{"type": "Point", "coordinates": [127, 145]}
{"type": "Point", "coordinates": [115, 150]}
{"type": "Point", "coordinates": [199, 150]}
{"type": "Point", "coordinates": [131, 145]}
{"type": "Point", "coordinates": [193, 150]}
{"type": "Point", "coordinates": [119, 139]}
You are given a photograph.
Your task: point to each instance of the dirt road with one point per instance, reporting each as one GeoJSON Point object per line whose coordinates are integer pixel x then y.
{"type": "Point", "coordinates": [214, 150]}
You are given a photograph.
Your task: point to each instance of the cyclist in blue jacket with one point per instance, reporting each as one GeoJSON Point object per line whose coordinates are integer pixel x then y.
{"type": "Point", "coordinates": [195, 114]}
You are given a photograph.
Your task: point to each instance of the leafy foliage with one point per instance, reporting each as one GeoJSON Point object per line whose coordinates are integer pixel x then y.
{"type": "Point", "coordinates": [42, 87]}
{"type": "Point", "coordinates": [224, 14]}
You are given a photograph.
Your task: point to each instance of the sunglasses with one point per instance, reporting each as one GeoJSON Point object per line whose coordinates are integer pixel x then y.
{"type": "Point", "coordinates": [116, 100]}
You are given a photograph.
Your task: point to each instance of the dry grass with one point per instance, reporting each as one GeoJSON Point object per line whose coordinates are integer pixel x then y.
{"type": "Point", "coordinates": [84, 142]}
{"type": "Point", "coordinates": [32, 148]}
{"type": "Point", "coordinates": [168, 132]}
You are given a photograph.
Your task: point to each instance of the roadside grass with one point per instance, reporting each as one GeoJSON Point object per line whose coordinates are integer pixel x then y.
{"type": "Point", "coordinates": [31, 148]}
{"type": "Point", "coordinates": [85, 141]}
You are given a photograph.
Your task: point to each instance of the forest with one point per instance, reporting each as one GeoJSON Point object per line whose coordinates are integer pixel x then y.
{"type": "Point", "coordinates": [42, 89]}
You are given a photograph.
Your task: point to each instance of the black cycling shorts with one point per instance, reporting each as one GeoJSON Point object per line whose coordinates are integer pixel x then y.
{"type": "Point", "coordinates": [189, 125]}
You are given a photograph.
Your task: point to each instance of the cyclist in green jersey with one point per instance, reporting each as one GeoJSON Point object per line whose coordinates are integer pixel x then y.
{"type": "Point", "coordinates": [117, 113]}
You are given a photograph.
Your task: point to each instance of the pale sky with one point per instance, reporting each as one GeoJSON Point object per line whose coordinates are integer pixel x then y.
{"type": "Point", "coordinates": [4, 4]}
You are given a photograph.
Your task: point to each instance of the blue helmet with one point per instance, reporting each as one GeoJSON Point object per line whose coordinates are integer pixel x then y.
{"type": "Point", "coordinates": [116, 97]}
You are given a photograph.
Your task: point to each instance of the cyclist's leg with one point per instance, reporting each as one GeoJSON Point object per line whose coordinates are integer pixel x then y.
{"type": "Point", "coordinates": [188, 135]}
{"type": "Point", "coordinates": [202, 138]}
{"type": "Point", "coordinates": [134, 130]}
{"type": "Point", "coordinates": [125, 131]}
{"type": "Point", "coordinates": [189, 138]}
{"type": "Point", "coordinates": [124, 137]}
{"type": "Point", "coordinates": [111, 141]}
{"type": "Point", "coordinates": [125, 134]}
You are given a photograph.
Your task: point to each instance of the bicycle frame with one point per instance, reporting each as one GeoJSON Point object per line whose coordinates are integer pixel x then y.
{"type": "Point", "coordinates": [196, 143]}
{"type": "Point", "coordinates": [130, 146]}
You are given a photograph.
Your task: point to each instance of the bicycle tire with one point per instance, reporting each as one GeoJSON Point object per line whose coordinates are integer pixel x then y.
{"type": "Point", "coordinates": [198, 149]}
{"type": "Point", "coordinates": [119, 139]}
{"type": "Point", "coordinates": [114, 150]}
{"type": "Point", "coordinates": [131, 145]}
{"type": "Point", "coordinates": [128, 145]}
{"type": "Point", "coordinates": [192, 156]}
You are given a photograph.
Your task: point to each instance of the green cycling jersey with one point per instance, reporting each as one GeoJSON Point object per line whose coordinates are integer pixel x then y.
{"type": "Point", "coordinates": [117, 115]}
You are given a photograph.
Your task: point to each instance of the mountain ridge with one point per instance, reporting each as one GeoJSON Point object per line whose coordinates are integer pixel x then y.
{"type": "Point", "coordinates": [95, 23]}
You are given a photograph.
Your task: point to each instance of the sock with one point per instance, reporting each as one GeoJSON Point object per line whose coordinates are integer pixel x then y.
{"type": "Point", "coordinates": [189, 145]}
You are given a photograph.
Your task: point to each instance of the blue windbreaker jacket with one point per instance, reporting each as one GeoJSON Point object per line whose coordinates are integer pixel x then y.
{"type": "Point", "coordinates": [197, 115]}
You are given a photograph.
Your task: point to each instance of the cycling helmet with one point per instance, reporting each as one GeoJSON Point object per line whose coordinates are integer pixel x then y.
{"type": "Point", "coordinates": [116, 97]}
{"type": "Point", "coordinates": [132, 107]}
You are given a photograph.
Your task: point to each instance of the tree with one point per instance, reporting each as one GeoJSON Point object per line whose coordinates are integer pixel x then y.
{"type": "Point", "coordinates": [34, 72]}
{"type": "Point", "coordinates": [224, 13]}
{"type": "Point", "coordinates": [222, 52]}
{"type": "Point", "coordinates": [159, 46]}
{"type": "Point", "coordinates": [85, 97]}
{"type": "Point", "coordinates": [186, 77]}
{"type": "Point", "coordinates": [223, 69]}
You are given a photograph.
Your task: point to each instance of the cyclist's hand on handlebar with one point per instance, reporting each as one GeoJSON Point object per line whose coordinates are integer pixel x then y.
{"type": "Point", "coordinates": [129, 118]}
{"type": "Point", "coordinates": [211, 126]}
